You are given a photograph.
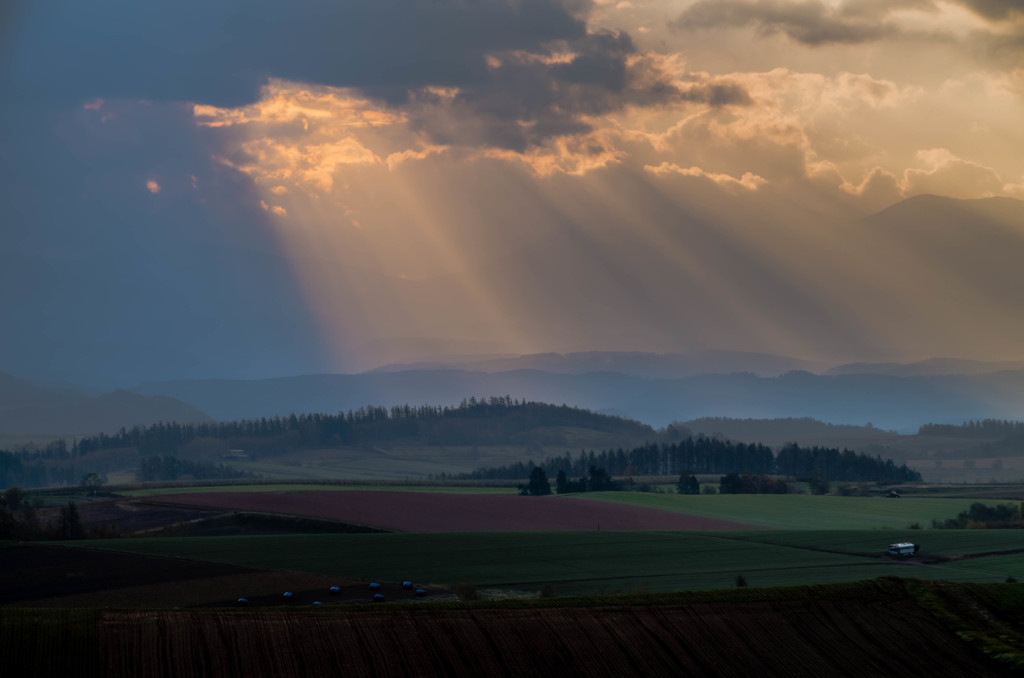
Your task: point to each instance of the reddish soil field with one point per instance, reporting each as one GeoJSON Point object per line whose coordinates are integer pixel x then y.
{"type": "Point", "coordinates": [430, 512]}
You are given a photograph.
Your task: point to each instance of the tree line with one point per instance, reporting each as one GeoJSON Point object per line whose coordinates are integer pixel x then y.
{"type": "Point", "coordinates": [19, 519]}
{"type": "Point", "coordinates": [28, 469]}
{"type": "Point", "coordinates": [496, 420]}
{"type": "Point", "coordinates": [984, 428]}
{"type": "Point", "coordinates": [708, 455]}
{"type": "Point", "coordinates": [981, 516]}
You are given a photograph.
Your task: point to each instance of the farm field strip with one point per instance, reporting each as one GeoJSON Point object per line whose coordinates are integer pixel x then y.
{"type": "Point", "coordinates": [305, 487]}
{"type": "Point", "coordinates": [576, 562]}
{"type": "Point", "coordinates": [445, 512]}
{"type": "Point", "coordinates": [934, 543]}
{"type": "Point", "coordinates": [797, 511]}
{"type": "Point", "coordinates": [999, 567]}
{"type": "Point", "coordinates": [400, 462]}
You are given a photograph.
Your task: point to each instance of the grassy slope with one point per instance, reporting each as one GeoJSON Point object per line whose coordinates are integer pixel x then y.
{"type": "Point", "coordinates": [797, 511]}
{"type": "Point", "coordinates": [602, 562]}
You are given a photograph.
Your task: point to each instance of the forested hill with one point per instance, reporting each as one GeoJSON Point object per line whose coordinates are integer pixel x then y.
{"type": "Point", "coordinates": [991, 429]}
{"type": "Point", "coordinates": [493, 421]}
{"type": "Point", "coordinates": [783, 430]}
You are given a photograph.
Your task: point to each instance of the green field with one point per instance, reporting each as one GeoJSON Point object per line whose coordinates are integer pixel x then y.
{"type": "Point", "coordinates": [604, 562]}
{"type": "Point", "coordinates": [407, 462]}
{"type": "Point", "coordinates": [305, 487]}
{"type": "Point", "coordinates": [798, 511]}
{"type": "Point", "coordinates": [933, 543]}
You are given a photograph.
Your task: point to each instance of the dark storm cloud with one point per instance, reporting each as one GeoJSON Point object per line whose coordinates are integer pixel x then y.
{"type": "Point", "coordinates": [814, 22]}
{"type": "Point", "coordinates": [996, 10]}
{"type": "Point", "coordinates": [810, 22]}
{"type": "Point", "coordinates": [530, 98]}
{"type": "Point", "coordinates": [220, 53]}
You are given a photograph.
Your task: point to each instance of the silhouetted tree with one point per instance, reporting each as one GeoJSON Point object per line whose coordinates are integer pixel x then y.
{"type": "Point", "coordinates": [599, 480]}
{"type": "Point", "coordinates": [731, 484]}
{"type": "Point", "coordinates": [819, 482]}
{"type": "Point", "coordinates": [14, 497]}
{"type": "Point", "coordinates": [688, 484]}
{"type": "Point", "coordinates": [69, 525]}
{"type": "Point", "coordinates": [538, 485]}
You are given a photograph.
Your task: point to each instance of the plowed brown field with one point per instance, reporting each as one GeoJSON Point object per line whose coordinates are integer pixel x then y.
{"type": "Point", "coordinates": [782, 638]}
{"type": "Point", "coordinates": [430, 512]}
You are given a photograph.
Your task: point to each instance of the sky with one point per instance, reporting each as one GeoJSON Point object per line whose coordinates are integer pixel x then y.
{"type": "Point", "coordinates": [253, 189]}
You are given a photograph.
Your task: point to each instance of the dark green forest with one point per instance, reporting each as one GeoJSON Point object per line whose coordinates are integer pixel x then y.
{"type": "Point", "coordinates": [710, 455]}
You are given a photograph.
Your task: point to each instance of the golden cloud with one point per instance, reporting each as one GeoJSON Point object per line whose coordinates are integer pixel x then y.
{"type": "Point", "coordinates": [749, 181]}
{"type": "Point", "coordinates": [288, 102]}
{"type": "Point", "coordinates": [573, 155]}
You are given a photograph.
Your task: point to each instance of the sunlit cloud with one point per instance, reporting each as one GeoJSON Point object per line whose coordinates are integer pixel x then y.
{"type": "Point", "coordinates": [939, 172]}
{"type": "Point", "coordinates": [153, 186]}
{"type": "Point", "coordinates": [748, 181]}
{"type": "Point", "coordinates": [819, 23]}
{"type": "Point", "coordinates": [570, 154]}
{"type": "Point", "coordinates": [285, 102]}
{"type": "Point", "coordinates": [273, 209]}
{"type": "Point", "coordinates": [395, 159]}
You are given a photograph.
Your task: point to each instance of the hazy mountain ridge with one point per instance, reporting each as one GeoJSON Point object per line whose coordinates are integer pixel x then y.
{"type": "Point", "coordinates": [632, 363]}
{"type": "Point", "coordinates": [26, 408]}
{"type": "Point", "coordinates": [931, 366]}
{"type": "Point", "coordinates": [888, 402]}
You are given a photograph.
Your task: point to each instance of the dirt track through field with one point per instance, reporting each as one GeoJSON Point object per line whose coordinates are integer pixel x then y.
{"type": "Point", "coordinates": [436, 512]}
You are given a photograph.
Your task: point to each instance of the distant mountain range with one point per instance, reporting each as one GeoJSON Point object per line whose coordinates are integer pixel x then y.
{"type": "Point", "coordinates": [27, 408]}
{"type": "Point", "coordinates": [932, 366]}
{"type": "Point", "coordinates": [886, 401]}
{"type": "Point", "coordinates": [678, 365]}
{"type": "Point", "coordinates": [631, 363]}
